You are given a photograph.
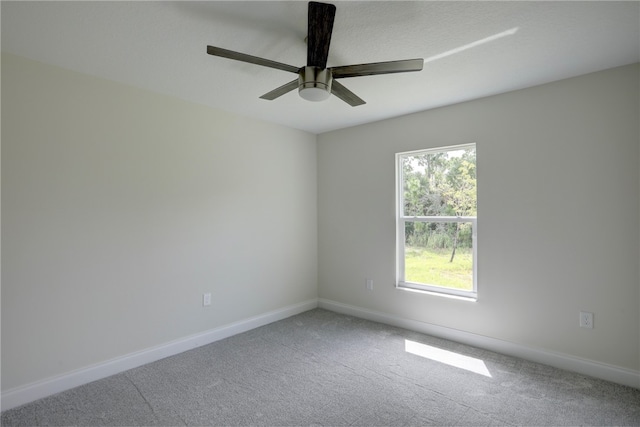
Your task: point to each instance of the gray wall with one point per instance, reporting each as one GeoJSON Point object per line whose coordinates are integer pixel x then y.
{"type": "Point", "coordinates": [558, 219]}
{"type": "Point", "coordinates": [121, 207]}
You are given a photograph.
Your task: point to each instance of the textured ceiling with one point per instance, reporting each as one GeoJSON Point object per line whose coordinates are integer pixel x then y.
{"type": "Point", "coordinates": [471, 49]}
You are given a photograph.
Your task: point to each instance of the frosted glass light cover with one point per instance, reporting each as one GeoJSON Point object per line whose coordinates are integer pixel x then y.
{"type": "Point", "coordinates": [314, 94]}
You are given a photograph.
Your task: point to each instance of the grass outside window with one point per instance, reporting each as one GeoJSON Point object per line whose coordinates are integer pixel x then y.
{"type": "Point", "coordinates": [431, 266]}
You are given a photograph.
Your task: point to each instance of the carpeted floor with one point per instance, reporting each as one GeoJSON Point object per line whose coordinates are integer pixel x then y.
{"type": "Point", "coordinates": [325, 369]}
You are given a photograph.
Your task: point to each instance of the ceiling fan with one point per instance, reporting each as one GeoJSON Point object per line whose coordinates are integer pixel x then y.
{"type": "Point", "coordinates": [315, 81]}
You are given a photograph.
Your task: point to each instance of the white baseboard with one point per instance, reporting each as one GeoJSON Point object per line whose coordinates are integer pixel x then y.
{"type": "Point", "coordinates": [591, 368]}
{"type": "Point", "coordinates": [34, 391]}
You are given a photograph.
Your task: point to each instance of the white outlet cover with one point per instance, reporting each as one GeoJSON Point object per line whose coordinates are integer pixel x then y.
{"type": "Point", "coordinates": [369, 284]}
{"type": "Point", "coordinates": [206, 299]}
{"type": "Point", "coordinates": [586, 320]}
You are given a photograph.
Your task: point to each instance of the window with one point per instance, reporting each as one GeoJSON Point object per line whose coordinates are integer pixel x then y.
{"type": "Point", "coordinates": [437, 220]}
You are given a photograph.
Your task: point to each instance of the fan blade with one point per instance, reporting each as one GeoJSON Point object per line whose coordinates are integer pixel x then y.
{"type": "Point", "coordinates": [320, 26]}
{"type": "Point", "coordinates": [377, 68]}
{"type": "Point", "coordinates": [345, 94]}
{"type": "Point", "coordinates": [224, 53]}
{"type": "Point", "coordinates": [287, 87]}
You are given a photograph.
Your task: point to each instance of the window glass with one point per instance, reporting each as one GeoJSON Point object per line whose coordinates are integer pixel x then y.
{"type": "Point", "coordinates": [437, 220]}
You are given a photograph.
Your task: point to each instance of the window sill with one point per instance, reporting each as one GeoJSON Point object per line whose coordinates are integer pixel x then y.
{"type": "Point", "coordinates": [437, 294]}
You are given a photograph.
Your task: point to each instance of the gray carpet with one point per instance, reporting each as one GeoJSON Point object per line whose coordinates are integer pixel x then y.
{"type": "Point", "coordinates": [327, 369]}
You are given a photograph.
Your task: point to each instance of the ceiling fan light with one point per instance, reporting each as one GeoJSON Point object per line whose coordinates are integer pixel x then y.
{"type": "Point", "coordinates": [314, 94]}
{"type": "Point", "coordinates": [314, 84]}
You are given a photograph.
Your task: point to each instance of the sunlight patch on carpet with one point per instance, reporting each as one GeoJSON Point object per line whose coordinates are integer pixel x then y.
{"type": "Point", "coordinates": [447, 357]}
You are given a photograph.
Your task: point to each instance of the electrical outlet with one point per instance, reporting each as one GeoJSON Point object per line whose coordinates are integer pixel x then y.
{"type": "Point", "coordinates": [369, 284]}
{"type": "Point", "coordinates": [586, 320]}
{"type": "Point", "coordinates": [206, 299]}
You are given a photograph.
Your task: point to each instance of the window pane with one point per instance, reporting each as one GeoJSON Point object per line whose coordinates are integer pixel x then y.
{"type": "Point", "coordinates": [440, 183]}
{"type": "Point", "coordinates": [439, 254]}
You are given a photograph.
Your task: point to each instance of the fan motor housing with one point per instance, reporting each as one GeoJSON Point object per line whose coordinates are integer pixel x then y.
{"type": "Point", "coordinates": [314, 84]}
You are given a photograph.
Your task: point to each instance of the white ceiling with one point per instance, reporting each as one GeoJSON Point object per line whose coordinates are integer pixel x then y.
{"type": "Point", "coordinates": [471, 49]}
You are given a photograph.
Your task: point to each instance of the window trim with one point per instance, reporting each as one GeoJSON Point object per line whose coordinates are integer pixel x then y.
{"type": "Point", "coordinates": [401, 220]}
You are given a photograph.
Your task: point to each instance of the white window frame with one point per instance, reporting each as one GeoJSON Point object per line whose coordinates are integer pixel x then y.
{"type": "Point", "coordinates": [401, 220]}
